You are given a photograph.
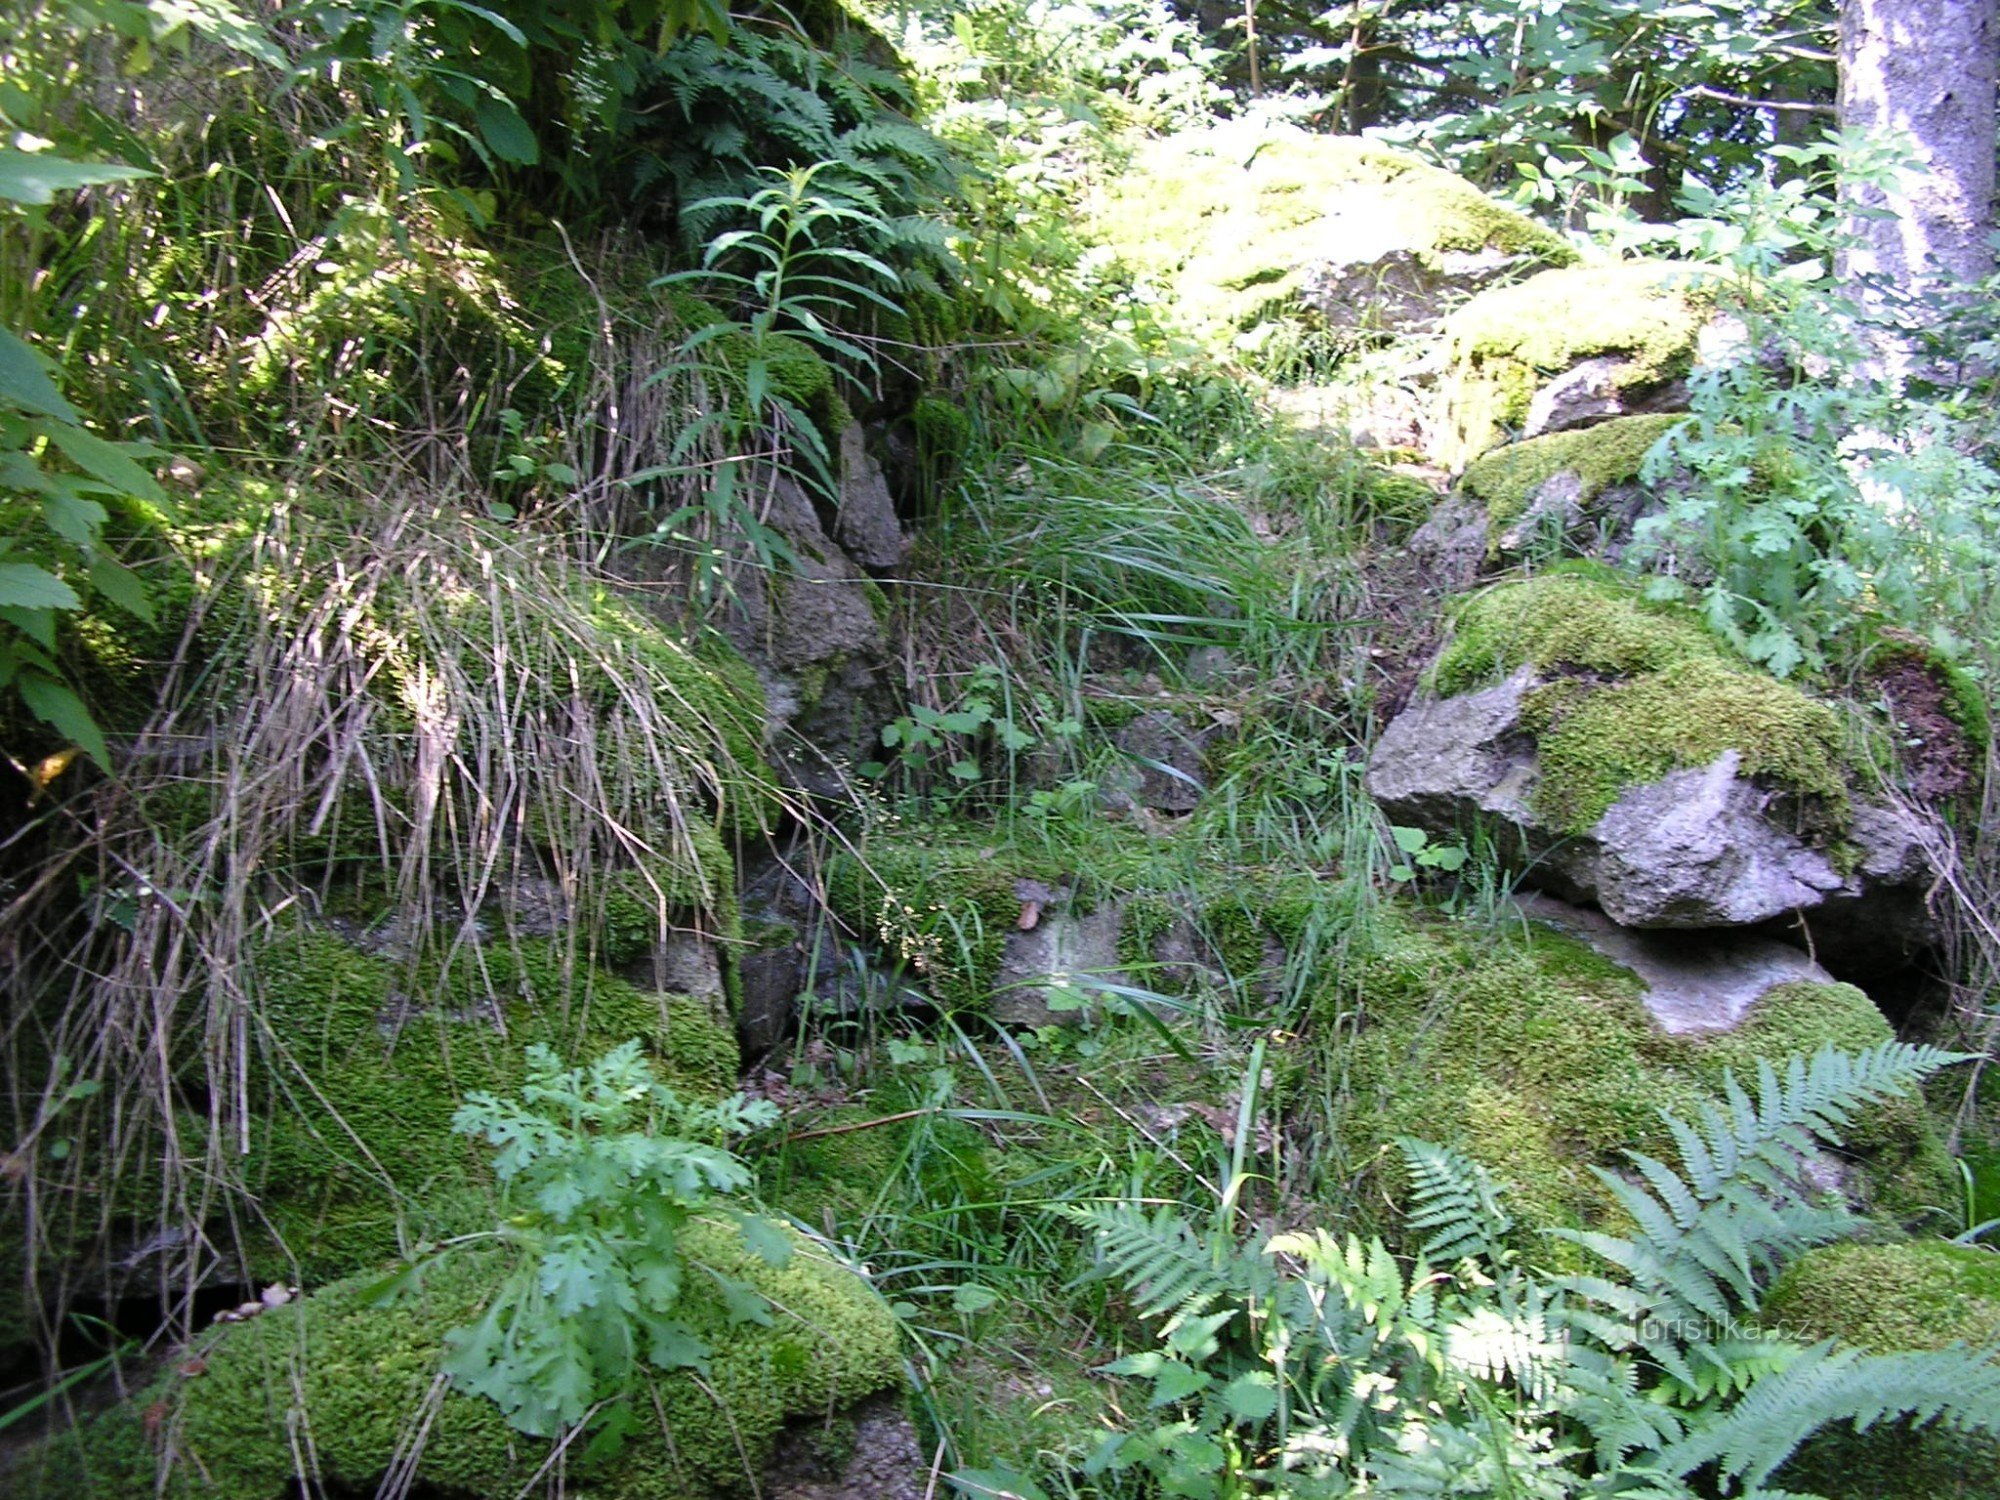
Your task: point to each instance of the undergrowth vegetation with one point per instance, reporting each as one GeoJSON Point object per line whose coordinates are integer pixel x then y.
{"type": "Point", "coordinates": [517, 522]}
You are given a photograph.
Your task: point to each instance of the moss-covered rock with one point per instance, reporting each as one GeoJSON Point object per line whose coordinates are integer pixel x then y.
{"type": "Point", "coordinates": [1505, 342]}
{"type": "Point", "coordinates": [1630, 691]}
{"type": "Point", "coordinates": [1539, 1058]}
{"type": "Point", "coordinates": [352, 1156]}
{"type": "Point", "coordinates": [1507, 479]}
{"type": "Point", "coordinates": [1230, 221]}
{"type": "Point", "coordinates": [338, 1384]}
{"type": "Point", "coordinates": [1925, 1294]}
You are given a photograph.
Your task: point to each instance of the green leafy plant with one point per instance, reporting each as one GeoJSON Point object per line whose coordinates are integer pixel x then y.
{"type": "Point", "coordinates": [1824, 499]}
{"type": "Point", "coordinates": [1311, 1364]}
{"type": "Point", "coordinates": [1420, 852]}
{"type": "Point", "coordinates": [599, 1169]}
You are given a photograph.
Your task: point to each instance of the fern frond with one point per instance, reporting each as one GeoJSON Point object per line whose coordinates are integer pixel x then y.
{"type": "Point", "coordinates": [1704, 1240]}
{"type": "Point", "coordinates": [1161, 1259]}
{"type": "Point", "coordinates": [1955, 1387]}
{"type": "Point", "coordinates": [1457, 1202]}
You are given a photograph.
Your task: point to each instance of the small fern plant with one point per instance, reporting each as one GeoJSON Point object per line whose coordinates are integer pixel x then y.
{"type": "Point", "coordinates": [1313, 1365]}
{"type": "Point", "coordinates": [599, 1168]}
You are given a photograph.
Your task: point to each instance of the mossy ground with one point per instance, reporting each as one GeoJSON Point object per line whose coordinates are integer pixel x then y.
{"type": "Point", "coordinates": [1633, 691]}
{"type": "Point", "coordinates": [1923, 1294]}
{"type": "Point", "coordinates": [352, 1154]}
{"type": "Point", "coordinates": [1538, 1058]}
{"type": "Point", "coordinates": [338, 1382]}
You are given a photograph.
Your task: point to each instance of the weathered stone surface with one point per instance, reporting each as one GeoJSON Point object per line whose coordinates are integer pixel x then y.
{"type": "Point", "coordinates": [1591, 392]}
{"type": "Point", "coordinates": [1451, 546]}
{"type": "Point", "coordinates": [1045, 969]}
{"type": "Point", "coordinates": [1695, 981]}
{"type": "Point", "coordinates": [1369, 283]}
{"type": "Point", "coordinates": [813, 634]}
{"type": "Point", "coordinates": [866, 528]}
{"type": "Point", "coordinates": [1165, 758]}
{"type": "Point", "coordinates": [1699, 848]}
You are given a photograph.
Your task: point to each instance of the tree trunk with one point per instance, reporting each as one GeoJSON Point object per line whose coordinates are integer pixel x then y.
{"type": "Point", "coordinates": [1924, 69]}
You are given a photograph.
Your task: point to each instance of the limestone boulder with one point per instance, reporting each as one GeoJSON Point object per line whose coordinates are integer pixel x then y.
{"type": "Point", "coordinates": [1251, 222]}
{"type": "Point", "coordinates": [1705, 846]}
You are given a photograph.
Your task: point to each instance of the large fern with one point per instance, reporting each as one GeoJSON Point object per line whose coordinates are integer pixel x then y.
{"type": "Point", "coordinates": [1170, 1267]}
{"type": "Point", "coordinates": [1749, 1440]}
{"type": "Point", "coordinates": [1706, 1240]}
{"type": "Point", "coordinates": [1456, 1201]}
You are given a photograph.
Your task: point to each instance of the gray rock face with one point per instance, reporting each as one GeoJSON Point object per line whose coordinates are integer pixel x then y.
{"type": "Point", "coordinates": [1372, 286]}
{"type": "Point", "coordinates": [1045, 971]}
{"type": "Point", "coordinates": [1451, 545]}
{"type": "Point", "coordinates": [1589, 393]}
{"type": "Point", "coordinates": [866, 528]}
{"type": "Point", "coordinates": [1165, 758]}
{"type": "Point", "coordinates": [1700, 848]}
{"type": "Point", "coordinates": [1695, 981]}
{"type": "Point", "coordinates": [819, 647]}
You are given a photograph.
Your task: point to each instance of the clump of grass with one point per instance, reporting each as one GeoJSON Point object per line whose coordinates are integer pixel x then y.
{"type": "Point", "coordinates": [386, 717]}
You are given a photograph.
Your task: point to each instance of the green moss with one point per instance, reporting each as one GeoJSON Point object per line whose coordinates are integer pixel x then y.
{"type": "Point", "coordinates": [1672, 699]}
{"type": "Point", "coordinates": [793, 369]}
{"type": "Point", "coordinates": [351, 1148]}
{"type": "Point", "coordinates": [1924, 1294]}
{"type": "Point", "coordinates": [941, 907]}
{"type": "Point", "coordinates": [340, 1377]}
{"type": "Point", "coordinates": [1884, 1298]}
{"type": "Point", "coordinates": [1594, 742]}
{"type": "Point", "coordinates": [1503, 342]}
{"type": "Point", "coordinates": [1538, 1057]}
{"type": "Point", "coordinates": [1507, 478]}
{"type": "Point", "coordinates": [1231, 218]}
{"type": "Point", "coordinates": [1565, 619]}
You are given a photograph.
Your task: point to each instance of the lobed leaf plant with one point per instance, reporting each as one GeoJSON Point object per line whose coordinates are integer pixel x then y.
{"type": "Point", "coordinates": [600, 1167]}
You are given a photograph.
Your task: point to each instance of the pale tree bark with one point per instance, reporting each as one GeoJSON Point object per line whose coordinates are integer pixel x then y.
{"type": "Point", "coordinates": [1923, 69]}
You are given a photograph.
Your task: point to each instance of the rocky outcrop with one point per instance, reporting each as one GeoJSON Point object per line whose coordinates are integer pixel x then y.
{"type": "Point", "coordinates": [1569, 348]}
{"type": "Point", "coordinates": [812, 626]}
{"type": "Point", "coordinates": [1694, 981]}
{"type": "Point", "coordinates": [1701, 847]}
{"type": "Point", "coordinates": [1249, 220]}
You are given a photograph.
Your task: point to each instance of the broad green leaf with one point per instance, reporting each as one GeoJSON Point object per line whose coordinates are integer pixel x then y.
{"type": "Point", "coordinates": [55, 705]}
{"type": "Point", "coordinates": [122, 587]}
{"type": "Point", "coordinates": [1177, 1382]}
{"type": "Point", "coordinates": [25, 381]}
{"type": "Point", "coordinates": [745, 1304]}
{"type": "Point", "coordinates": [38, 625]}
{"type": "Point", "coordinates": [973, 1298]}
{"type": "Point", "coordinates": [74, 517]}
{"type": "Point", "coordinates": [35, 177]}
{"type": "Point", "coordinates": [765, 1240]}
{"type": "Point", "coordinates": [25, 586]}
{"type": "Point", "coordinates": [1410, 840]}
{"type": "Point", "coordinates": [1252, 1397]}
{"type": "Point", "coordinates": [506, 134]}
{"type": "Point", "coordinates": [110, 462]}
